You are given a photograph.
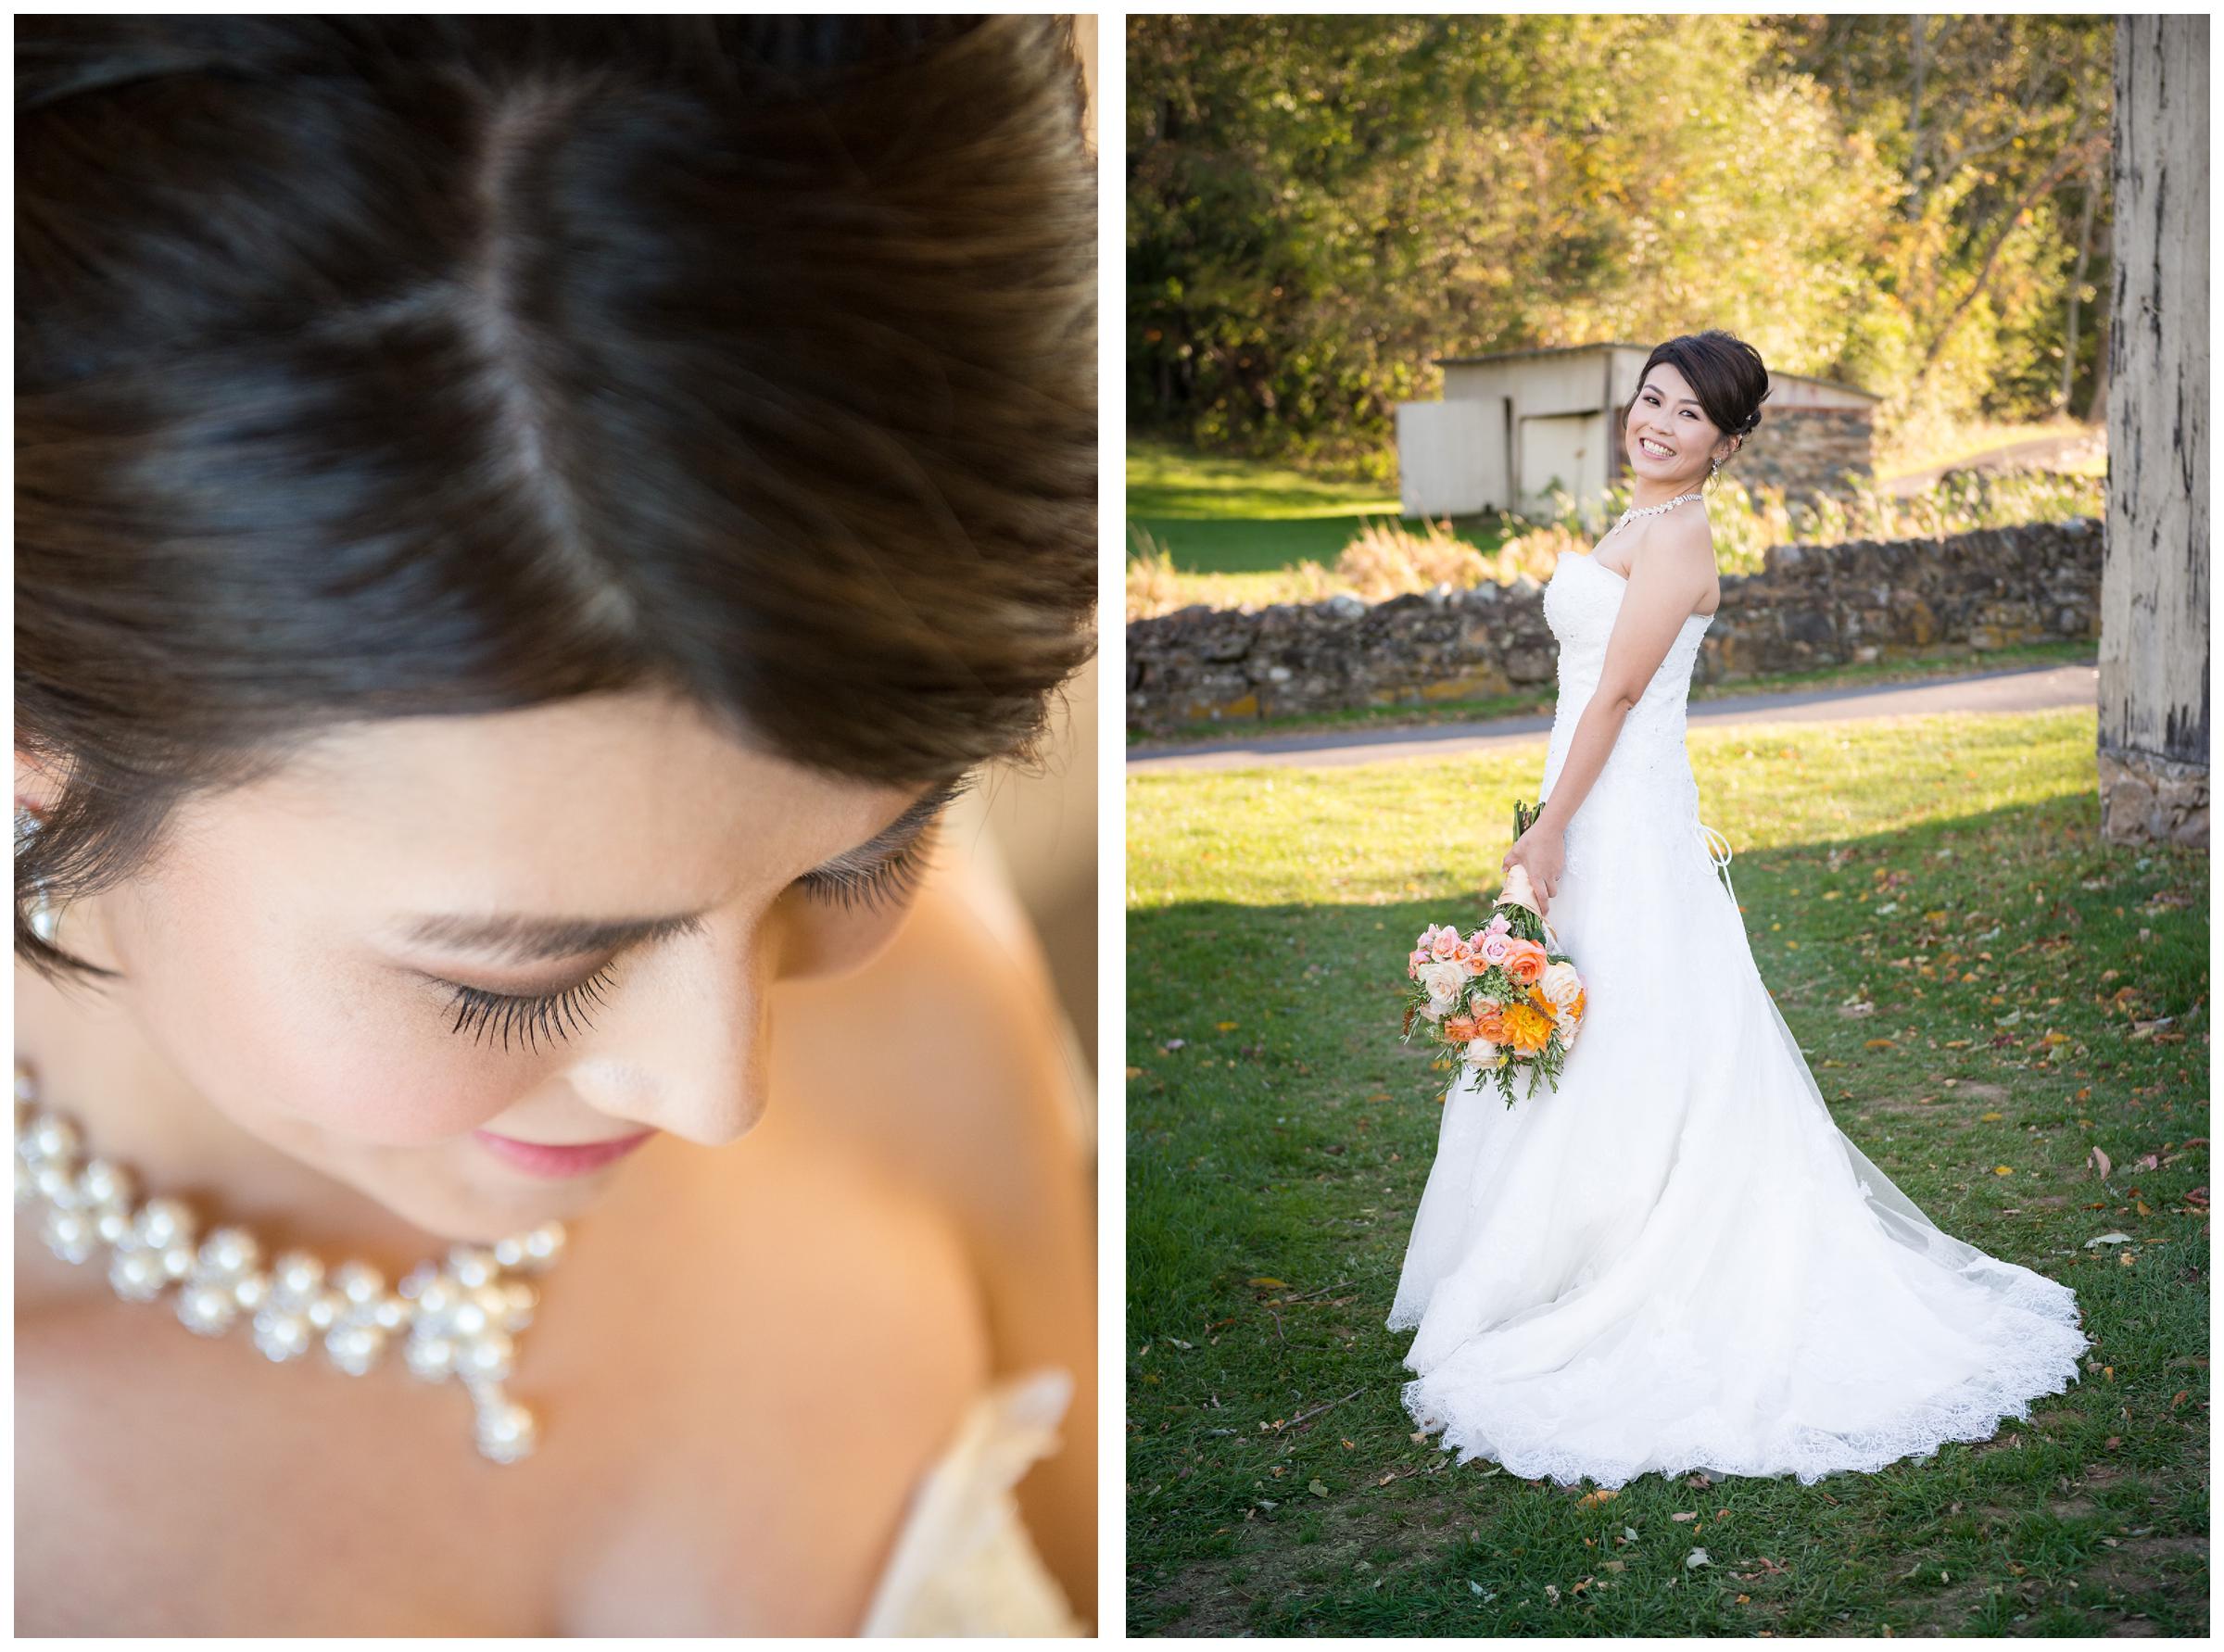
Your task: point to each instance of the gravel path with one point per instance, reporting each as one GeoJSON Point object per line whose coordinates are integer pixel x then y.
{"type": "Point", "coordinates": [2030, 689]}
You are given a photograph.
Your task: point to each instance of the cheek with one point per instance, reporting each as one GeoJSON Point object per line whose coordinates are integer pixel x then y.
{"type": "Point", "coordinates": [276, 1034]}
{"type": "Point", "coordinates": [816, 939]}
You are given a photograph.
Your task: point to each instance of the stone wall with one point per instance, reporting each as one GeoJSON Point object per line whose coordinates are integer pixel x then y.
{"type": "Point", "coordinates": [1805, 450]}
{"type": "Point", "coordinates": [1812, 606]}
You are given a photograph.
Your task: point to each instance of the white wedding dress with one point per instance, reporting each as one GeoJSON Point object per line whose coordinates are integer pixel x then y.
{"type": "Point", "coordinates": [1676, 1261]}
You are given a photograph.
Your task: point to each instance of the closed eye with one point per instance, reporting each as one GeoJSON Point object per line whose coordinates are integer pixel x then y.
{"type": "Point", "coordinates": [885, 870]}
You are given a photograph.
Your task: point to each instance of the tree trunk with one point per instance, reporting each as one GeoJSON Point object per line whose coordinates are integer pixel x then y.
{"type": "Point", "coordinates": [2153, 655]}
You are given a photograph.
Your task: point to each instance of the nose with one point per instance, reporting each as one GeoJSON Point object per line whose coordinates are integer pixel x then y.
{"type": "Point", "coordinates": [682, 1048]}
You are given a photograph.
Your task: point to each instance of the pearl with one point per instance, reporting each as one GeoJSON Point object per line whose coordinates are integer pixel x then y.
{"type": "Point", "coordinates": [162, 1222]}
{"type": "Point", "coordinates": [355, 1348]}
{"type": "Point", "coordinates": [207, 1308]}
{"type": "Point", "coordinates": [251, 1291]}
{"type": "Point", "coordinates": [69, 1235]}
{"type": "Point", "coordinates": [101, 1184]}
{"type": "Point", "coordinates": [294, 1279]}
{"type": "Point", "coordinates": [519, 1300]}
{"type": "Point", "coordinates": [543, 1246]}
{"type": "Point", "coordinates": [113, 1226]}
{"type": "Point", "coordinates": [137, 1275]}
{"type": "Point", "coordinates": [416, 1280]}
{"type": "Point", "coordinates": [177, 1261]}
{"type": "Point", "coordinates": [281, 1335]}
{"type": "Point", "coordinates": [390, 1314]}
{"type": "Point", "coordinates": [488, 1357]}
{"type": "Point", "coordinates": [505, 1431]}
{"type": "Point", "coordinates": [430, 1358]}
{"type": "Point", "coordinates": [229, 1252]}
{"type": "Point", "coordinates": [471, 1267]}
{"type": "Point", "coordinates": [57, 1183]}
{"type": "Point", "coordinates": [360, 1282]}
{"type": "Point", "coordinates": [467, 1320]}
{"type": "Point", "coordinates": [435, 1301]}
{"type": "Point", "coordinates": [54, 1137]}
{"type": "Point", "coordinates": [510, 1252]}
{"type": "Point", "coordinates": [326, 1309]}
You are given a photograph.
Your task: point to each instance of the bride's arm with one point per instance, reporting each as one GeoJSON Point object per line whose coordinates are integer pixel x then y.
{"type": "Point", "coordinates": [1665, 584]}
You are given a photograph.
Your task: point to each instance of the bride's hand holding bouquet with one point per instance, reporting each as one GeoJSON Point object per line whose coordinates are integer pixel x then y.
{"type": "Point", "coordinates": [1540, 854]}
{"type": "Point", "coordinates": [1503, 999]}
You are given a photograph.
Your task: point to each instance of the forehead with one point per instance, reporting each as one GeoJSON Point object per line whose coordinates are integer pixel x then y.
{"type": "Point", "coordinates": [607, 802]}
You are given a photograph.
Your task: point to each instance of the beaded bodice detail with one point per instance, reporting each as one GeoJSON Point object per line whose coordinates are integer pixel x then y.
{"type": "Point", "coordinates": [1649, 758]}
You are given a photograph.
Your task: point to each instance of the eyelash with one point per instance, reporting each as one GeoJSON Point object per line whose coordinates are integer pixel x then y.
{"type": "Point", "coordinates": [887, 884]}
{"type": "Point", "coordinates": [1651, 400]}
{"type": "Point", "coordinates": [554, 1015]}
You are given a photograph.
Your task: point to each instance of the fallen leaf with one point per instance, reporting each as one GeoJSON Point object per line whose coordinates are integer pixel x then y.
{"type": "Point", "coordinates": [2002, 1170]}
{"type": "Point", "coordinates": [1695, 1559]}
{"type": "Point", "coordinates": [1592, 1499]}
{"type": "Point", "coordinates": [2100, 1162]}
{"type": "Point", "coordinates": [2108, 1239]}
{"type": "Point", "coordinates": [1263, 1283]}
{"type": "Point", "coordinates": [1989, 1117]}
{"type": "Point", "coordinates": [1683, 1517]}
{"type": "Point", "coordinates": [1317, 1489]}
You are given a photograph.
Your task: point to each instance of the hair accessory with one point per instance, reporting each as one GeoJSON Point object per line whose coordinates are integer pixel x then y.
{"type": "Point", "coordinates": [459, 1319]}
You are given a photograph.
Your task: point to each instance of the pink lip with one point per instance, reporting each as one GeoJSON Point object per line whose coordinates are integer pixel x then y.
{"type": "Point", "coordinates": [540, 1159]}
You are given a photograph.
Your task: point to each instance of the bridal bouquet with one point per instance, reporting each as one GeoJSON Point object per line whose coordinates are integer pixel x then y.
{"type": "Point", "coordinates": [1501, 1000]}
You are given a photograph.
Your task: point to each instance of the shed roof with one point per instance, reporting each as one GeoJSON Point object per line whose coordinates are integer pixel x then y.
{"type": "Point", "coordinates": [1578, 350]}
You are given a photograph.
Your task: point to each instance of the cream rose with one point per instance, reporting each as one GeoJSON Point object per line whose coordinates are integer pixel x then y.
{"type": "Point", "coordinates": [1483, 1053]}
{"type": "Point", "coordinates": [1559, 984]}
{"type": "Point", "coordinates": [1443, 979]}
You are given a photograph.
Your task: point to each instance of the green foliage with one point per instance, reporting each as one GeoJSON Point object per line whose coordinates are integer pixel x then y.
{"type": "Point", "coordinates": [1979, 983]}
{"type": "Point", "coordinates": [1319, 207]}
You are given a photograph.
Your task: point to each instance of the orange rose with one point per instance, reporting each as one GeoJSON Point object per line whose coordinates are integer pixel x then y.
{"type": "Point", "coordinates": [1525, 961]}
{"type": "Point", "coordinates": [1490, 1024]}
{"type": "Point", "coordinates": [1459, 1029]}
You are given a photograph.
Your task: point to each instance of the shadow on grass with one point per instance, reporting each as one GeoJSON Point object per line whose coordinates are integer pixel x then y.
{"type": "Point", "coordinates": [1279, 1138]}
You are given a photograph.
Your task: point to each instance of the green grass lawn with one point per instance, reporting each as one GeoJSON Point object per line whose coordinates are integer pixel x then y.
{"type": "Point", "coordinates": [2035, 996]}
{"type": "Point", "coordinates": [1226, 515]}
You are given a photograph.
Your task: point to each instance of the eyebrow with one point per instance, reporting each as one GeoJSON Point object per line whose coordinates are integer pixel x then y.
{"type": "Point", "coordinates": [1680, 401]}
{"type": "Point", "coordinates": [513, 938]}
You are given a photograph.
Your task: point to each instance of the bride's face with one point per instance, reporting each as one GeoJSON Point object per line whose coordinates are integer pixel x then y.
{"type": "Point", "coordinates": [557, 927]}
{"type": "Point", "coordinates": [1666, 415]}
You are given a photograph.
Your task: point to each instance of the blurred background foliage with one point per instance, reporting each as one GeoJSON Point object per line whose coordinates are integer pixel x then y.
{"type": "Point", "coordinates": [1317, 207]}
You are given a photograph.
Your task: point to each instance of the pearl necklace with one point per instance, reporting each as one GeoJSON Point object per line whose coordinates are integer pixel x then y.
{"type": "Point", "coordinates": [459, 1319]}
{"type": "Point", "coordinates": [1631, 514]}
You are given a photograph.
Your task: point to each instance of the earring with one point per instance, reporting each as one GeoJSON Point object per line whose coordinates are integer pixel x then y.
{"type": "Point", "coordinates": [44, 917]}
{"type": "Point", "coordinates": [1713, 467]}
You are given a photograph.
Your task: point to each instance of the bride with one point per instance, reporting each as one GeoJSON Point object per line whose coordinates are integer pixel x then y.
{"type": "Point", "coordinates": [1676, 1261]}
{"type": "Point", "coordinates": [524, 526]}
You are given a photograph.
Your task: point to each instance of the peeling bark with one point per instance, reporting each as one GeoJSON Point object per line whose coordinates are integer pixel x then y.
{"type": "Point", "coordinates": [2153, 656]}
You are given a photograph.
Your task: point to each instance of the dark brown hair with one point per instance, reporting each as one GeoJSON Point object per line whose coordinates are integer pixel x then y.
{"type": "Point", "coordinates": [1725, 372]}
{"type": "Point", "coordinates": [399, 366]}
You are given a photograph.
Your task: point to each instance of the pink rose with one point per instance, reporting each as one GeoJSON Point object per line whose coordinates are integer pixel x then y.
{"type": "Point", "coordinates": [1495, 945]}
{"type": "Point", "coordinates": [1445, 941]}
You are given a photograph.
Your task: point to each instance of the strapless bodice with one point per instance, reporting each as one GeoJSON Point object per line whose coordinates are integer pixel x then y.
{"type": "Point", "coordinates": [1581, 602]}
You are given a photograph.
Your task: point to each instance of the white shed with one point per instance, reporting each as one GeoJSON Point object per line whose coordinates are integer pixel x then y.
{"type": "Point", "coordinates": [1513, 427]}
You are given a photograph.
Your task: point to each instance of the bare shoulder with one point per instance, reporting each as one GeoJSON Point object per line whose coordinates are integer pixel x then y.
{"type": "Point", "coordinates": [967, 1077]}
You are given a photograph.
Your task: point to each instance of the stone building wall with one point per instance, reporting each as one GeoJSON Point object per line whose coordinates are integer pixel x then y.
{"type": "Point", "coordinates": [1812, 606]}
